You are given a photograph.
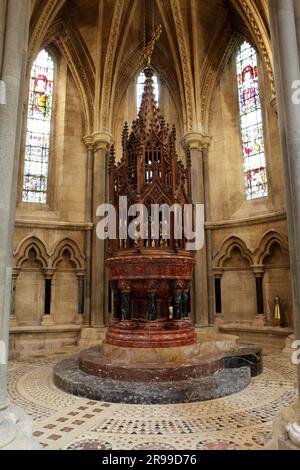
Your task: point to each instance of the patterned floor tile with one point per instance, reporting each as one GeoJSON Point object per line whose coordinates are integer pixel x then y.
{"type": "Point", "coordinates": [62, 421]}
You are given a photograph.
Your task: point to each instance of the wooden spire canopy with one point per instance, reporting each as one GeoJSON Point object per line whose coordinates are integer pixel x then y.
{"type": "Point", "coordinates": [150, 171]}
{"type": "Point", "coordinates": [150, 278]}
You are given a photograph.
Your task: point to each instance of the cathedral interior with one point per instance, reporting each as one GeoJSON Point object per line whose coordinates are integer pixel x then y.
{"type": "Point", "coordinates": [163, 101]}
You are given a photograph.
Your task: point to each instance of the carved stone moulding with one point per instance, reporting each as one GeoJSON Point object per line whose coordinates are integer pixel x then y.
{"type": "Point", "coordinates": [155, 334]}
{"type": "Point", "coordinates": [158, 267]}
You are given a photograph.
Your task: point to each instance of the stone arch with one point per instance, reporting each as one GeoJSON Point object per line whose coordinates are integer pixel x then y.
{"type": "Point", "coordinates": [224, 252]}
{"type": "Point", "coordinates": [129, 72]}
{"type": "Point", "coordinates": [21, 254]}
{"type": "Point", "coordinates": [213, 67]}
{"type": "Point", "coordinates": [265, 245]}
{"type": "Point", "coordinates": [76, 256]}
{"type": "Point", "coordinates": [273, 255]}
{"type": "Point", "coordinates": [255, 19]}
{"type": "Point", "coordinates": [232, 268]}
{"type": "Point", "coordinates": [72, 46]}
{"type": "Point", "coordinates": [42, 16]}
{"type": "Point", "coordinates": [31, 260]}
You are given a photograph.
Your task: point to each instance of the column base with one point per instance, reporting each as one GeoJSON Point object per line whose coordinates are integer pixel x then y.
{"type": "Point", "coordinates": [259, 320]}
{"type": "Point", "coordinates": [286, 430]}
{"type": "Point", "coordinates": [78, 319]}
{"type": "Point", "coordinates": [47, 320]}
{"type": "Point", "coordinates": [16, 430]}
{"type": "Point", "coordinates": [13, 321]}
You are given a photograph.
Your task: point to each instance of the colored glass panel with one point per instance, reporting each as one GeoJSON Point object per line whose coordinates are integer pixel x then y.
{"type": "Point", "coordinates": [38, 132]}
{"type": "Point", "coordinates": [251, 123]}
{"type": "Point", "coordinates": [140, 88]}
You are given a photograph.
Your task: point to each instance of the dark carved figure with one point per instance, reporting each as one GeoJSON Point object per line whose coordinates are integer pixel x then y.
{"type": "Point", "coordinates": [152, 313]}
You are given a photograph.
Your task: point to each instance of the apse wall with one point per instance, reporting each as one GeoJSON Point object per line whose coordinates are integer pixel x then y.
{"type": "Point", "coordinates": [243, 232]}
{"type": "Point", "coordinates": [49, 241]}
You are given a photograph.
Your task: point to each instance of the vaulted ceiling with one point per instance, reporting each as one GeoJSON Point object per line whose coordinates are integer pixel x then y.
{"type": "Point", "coordinates": [103, 39]}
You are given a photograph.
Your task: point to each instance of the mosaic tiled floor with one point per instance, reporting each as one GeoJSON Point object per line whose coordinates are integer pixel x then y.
{"type": "Point", "coordinates": [62, 421]}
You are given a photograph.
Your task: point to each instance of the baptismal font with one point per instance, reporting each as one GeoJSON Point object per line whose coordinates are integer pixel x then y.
{"type": "Point", "coordinates": [151, 352]}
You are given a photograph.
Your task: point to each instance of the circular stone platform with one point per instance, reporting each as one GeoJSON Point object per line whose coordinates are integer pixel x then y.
{"type": "Point", "coordinates": [68, 377]}
{"type": "Point", "coordinates": [195, 379]}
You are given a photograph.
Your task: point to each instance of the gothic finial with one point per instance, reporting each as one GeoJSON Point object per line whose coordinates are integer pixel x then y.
{"type": "Point", "coordinates": [149, 49]}
{"type": "Point", "coordinates": [112, 158]}
{"type": "Point", "coordinates": [125, 135]}
{"type": "Point", "coordinates": [188, 156]}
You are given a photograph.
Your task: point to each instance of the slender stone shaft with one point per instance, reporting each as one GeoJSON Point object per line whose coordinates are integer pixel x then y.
{"type": "Point", "coordinates": [14, 55]}
{"type": "Point", "coordinates": [287, 74]}
{"type": "Point", "coordinates": [102, 141]}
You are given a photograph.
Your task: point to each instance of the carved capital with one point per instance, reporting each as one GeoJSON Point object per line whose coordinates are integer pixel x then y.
{"type": "Point", "coordinates": [102, 140]}
{"type": "Point", "coordinates": [196, 140]}
{"type": "Point", "coordinates": [89, 142]}
{"type": "Point", "coordinates": [15, 274]}
{"type": "Point", "coordinates": [48, 273]}
{"type": "Point", "coordinates": [258, 271]}
{"type": "Point", "coordinates": [218, 273]}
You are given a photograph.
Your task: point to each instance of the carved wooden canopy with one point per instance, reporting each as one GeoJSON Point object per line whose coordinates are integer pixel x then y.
{"type": "Point", "coordinates": [150, 171]}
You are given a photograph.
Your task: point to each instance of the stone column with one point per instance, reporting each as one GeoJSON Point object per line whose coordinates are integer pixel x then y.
{"type": "Point", "coordinates": [217, 280]}
{"type": "Point", "coordinates": [80, 311]}
{"type": "Point", "coordinates": [198, 146]}
{"type": "Point", "coordinates": [88, 140]}
{"type": "Point", "coordinates": [102, 142]}
{"type": "Point", "coordinates": [13, 319]}
{"type": "Point", "coordinates": [15, 427]}
{"type": "Point", "coordinates": [260, 319]}
{"type": "Point", "coordinates": [287, 74]}
{"type": "Point", "coordinates": [47, 318]}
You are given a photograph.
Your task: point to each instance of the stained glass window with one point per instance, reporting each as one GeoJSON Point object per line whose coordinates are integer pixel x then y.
{"type": "Point", "coordinates": [140, 88]}
{"type": "Point", "coordinates": [251, 123]}
{"type": "Point", "coordinates": [38, 129]}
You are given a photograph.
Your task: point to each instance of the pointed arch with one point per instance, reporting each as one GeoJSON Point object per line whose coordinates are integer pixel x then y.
{"type": "Point", "coordinates": [76, 256]}
{"type": "Point", "coordinates": [42, 17]}
{"type": "Point", "coordinates": [21, 254]}
{"type": "Point", "coordinates": [71, 44]}
{"type": "Point", "coordinates": [224, 251]}
{"type": "Point", "coordinates": [266, 242]}
{"type": "Point", "coordinates": [175, 58]}
{"type": "Point", "coordinates": [114, 35]}
{"type": "Point", "coordinates": [256, 22]}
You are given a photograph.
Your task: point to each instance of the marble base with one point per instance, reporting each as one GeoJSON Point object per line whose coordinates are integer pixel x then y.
{"type": "Point", "coordinates": [68, 377]}
{"type": "Point", "coordinates": [16, 430]}
{"type": "Point", "coordinates": [156, 365]}
{"type": "Point", "coordinates": [247, 355]}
